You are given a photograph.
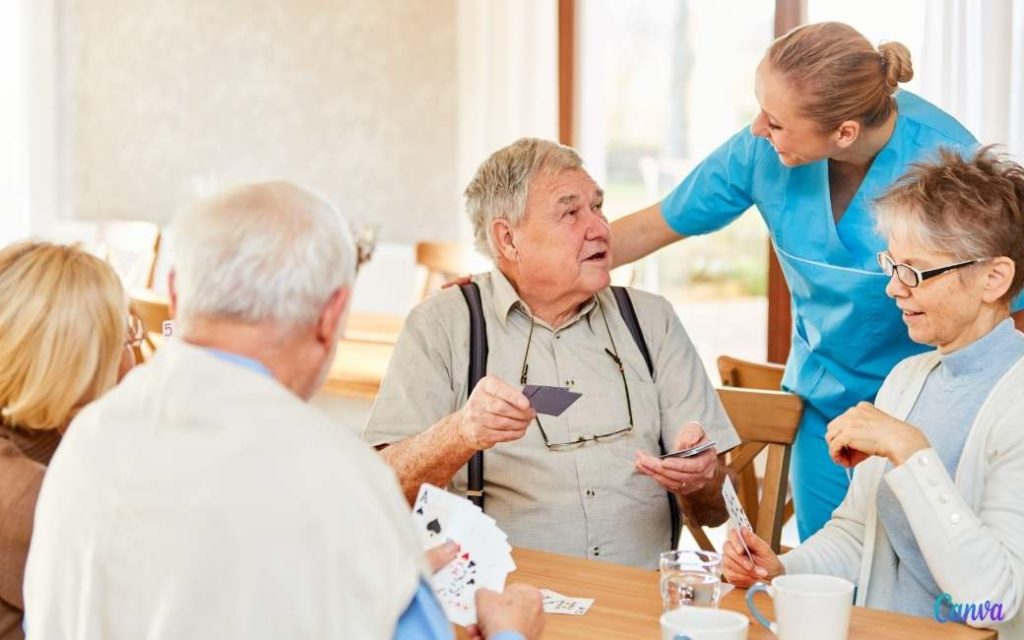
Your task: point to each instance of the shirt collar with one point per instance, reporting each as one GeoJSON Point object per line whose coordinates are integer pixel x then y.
{"type": "Point", "coordinates": [505, 300]}
{"type": "Point", "coordinates": [240, 360]}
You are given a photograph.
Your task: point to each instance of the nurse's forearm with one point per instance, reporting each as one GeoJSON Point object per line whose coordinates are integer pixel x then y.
{"type": "Point", "coordinates": [1018, 319]}
{"type": "Point", "coordinates": [638, 234]}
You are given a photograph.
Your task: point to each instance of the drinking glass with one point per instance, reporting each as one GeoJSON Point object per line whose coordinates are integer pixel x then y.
{"type": "Point", "coordinates": [690, 579]}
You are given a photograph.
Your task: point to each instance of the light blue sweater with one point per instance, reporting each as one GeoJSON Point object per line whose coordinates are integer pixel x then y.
{"type": "Point", "coordinates": [944, 411]}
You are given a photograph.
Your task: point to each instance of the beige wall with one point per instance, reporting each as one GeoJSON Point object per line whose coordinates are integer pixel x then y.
{"type": "Point", "coordinates": [169, 99]}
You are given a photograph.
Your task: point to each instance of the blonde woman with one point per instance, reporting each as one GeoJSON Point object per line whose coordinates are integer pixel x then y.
{"type": "Point", "coordinates": [65, 339]}
{"type": "Point", "coordinates": [833, 132]}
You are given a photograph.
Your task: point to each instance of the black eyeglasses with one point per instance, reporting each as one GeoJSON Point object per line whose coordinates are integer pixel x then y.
{"type": "Point", "coordinates": [912, 277]}
{"type": "Point", "coordinates": [613, 353]}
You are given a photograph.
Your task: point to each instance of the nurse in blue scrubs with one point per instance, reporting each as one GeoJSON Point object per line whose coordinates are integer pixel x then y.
{"type": "Point", "coordinates": [832, 134]}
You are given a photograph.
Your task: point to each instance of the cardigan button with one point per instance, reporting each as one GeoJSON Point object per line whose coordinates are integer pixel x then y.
{"type": "Point", "coordinates": [954, 518]}
{"type": "Point", "coordinates": [923, 461]}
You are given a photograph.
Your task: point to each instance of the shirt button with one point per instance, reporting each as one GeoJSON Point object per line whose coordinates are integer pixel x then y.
{"type": "Point", "coordinates": [558, 336]}
{"type": "Point", "coordinates": [954, 518]}
{"type": "Point", "coordinates": [923, 461]}
{"type": "Point", "coordinates": [597, 551]}
{"type": "Point", "coordinates": [944, 498]}
{"type": "Point", "coordinates": [590, 492]}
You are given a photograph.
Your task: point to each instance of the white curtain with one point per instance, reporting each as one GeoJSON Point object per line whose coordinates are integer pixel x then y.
{"type": "Point", "coordinates": [507, 77]}
{"type": "Point", "coordinates": [973, 66]}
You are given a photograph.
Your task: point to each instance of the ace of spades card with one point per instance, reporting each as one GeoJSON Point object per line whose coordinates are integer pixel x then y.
{"type": "Point", "coordinates": [432, 516]}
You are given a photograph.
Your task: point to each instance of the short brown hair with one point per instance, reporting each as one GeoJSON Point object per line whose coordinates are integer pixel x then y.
{"type": "Point", "coordinates": [63, 324]}
{"type": "Point", "coordinates": [839, 75]}
{"type": "Point", "coordinates": [970, 207]}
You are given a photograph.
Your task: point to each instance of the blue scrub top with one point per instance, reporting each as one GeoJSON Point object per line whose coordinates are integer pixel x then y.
{"type": "Point", "coordinates": [847, 334]}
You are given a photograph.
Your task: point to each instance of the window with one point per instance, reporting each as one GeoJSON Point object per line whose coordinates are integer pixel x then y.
{"type": "Point", "coordinates": [662, 83]}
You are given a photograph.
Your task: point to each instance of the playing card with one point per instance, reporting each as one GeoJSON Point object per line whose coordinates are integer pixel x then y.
{"type": "Point", "coordinates": [555, 602]}
{"type": "Point", "coordinates": [689, 453]}
{"type": "Point", "coordinates": [550, 401]}
{"type": "Point", "coordinates": [737, 516]}
{"type": "Point", "coordinates": [485, 557]}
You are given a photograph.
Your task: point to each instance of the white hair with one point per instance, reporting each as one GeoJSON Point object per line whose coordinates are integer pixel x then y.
{"type": "Point", "coordinates": [268, 252]}
{"type": "Point", "coordinates": [499, 188]}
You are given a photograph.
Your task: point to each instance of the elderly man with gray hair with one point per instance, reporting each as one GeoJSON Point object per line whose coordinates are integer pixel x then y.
{"type": "Point", "coordinates": [203, 497]}
{"type": "Point", "coordinates": [587, 482]}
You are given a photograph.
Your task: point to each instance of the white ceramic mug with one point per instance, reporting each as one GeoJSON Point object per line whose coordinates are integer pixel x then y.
{"type": "Point", "coordinates": [807, 607]}
{"type": "Point", "coordinates": [698, 623]}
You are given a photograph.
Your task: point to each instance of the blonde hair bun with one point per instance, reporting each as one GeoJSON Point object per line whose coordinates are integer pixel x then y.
{"type": "Point", "coordinates": [896, 63]}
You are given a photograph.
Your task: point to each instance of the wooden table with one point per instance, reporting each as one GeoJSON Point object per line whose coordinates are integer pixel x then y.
{"type": "Point", "coordinates": [627, 604]}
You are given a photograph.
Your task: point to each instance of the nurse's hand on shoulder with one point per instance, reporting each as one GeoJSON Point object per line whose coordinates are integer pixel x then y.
{"type": "Point", "coordinates": [519, 608]}
{"type": "Point", "coordinates": [865, 430]}
{"type": "Point", "coordinates": [495, 412]}
{"type": "Point", "coordinates": [738, 569]}
{"type": "Point", "coordinates": [682, 475]}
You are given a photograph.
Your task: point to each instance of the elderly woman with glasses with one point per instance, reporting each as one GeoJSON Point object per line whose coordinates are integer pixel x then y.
{"type": "Point", "coordinates": [585, 478]}
{"type": "Point", "coordinates": [65, 339]}
{"type": "Point", "coordinates": [932, 523]}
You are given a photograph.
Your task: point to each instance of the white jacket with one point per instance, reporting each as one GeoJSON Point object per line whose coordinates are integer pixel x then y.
{"type": "Point", "coordinates": [200, 499]}
{"type": "Point", "coordinates": [970, 528]}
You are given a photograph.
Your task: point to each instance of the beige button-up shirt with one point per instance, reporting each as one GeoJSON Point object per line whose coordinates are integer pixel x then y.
{"type": "Point", "coordinates": [586, 500]}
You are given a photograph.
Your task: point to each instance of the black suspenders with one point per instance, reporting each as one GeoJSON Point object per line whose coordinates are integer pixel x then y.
{"type": "Point", "coordinates": [477, 370]}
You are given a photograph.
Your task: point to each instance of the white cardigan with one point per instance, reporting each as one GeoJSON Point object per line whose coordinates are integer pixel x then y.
{"type": "Point", "coordinates": [200, 499]}
{"type": "Point", "coordinates": [970, 528]}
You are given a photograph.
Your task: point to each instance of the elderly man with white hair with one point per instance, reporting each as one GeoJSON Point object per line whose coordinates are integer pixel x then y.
{"type": "Point", "coordinates": [587, 482]}
{"type": "Point", "coordinates": [203, 497]}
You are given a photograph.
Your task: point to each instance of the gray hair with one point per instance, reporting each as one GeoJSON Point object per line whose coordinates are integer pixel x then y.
{"type": "Point", "coordinates": [970, 206]}
{"type": "Point", "coordinates": [498, 190]}
{"type": "Point", "coordinates": [268, 252]}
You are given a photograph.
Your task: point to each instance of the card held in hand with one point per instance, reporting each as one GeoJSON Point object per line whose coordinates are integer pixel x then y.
{"type": "Point", "coordinates": [737, 516]}
{"type": "Point", "coordinates": [551, 401]}
{"type": "Point", "coordinates": [484, 559]}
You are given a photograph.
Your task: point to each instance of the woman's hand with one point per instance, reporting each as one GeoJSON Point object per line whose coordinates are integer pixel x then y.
{"type": "Point", "coordinates": [864, 431]}
{"type": "Point", "coordinates": [737, 567]}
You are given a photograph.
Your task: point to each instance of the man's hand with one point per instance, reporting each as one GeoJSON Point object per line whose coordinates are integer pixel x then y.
{"type": "Point", "coordinates": [520, 608]}
{"type": "Point", "coordinates": [496, 412]}
{"type": "Point", "coordinates": [682, 475]}
{"type": "Point", "coordinates": [864, 431]}
{"type": "Point", "coordinates": [438, 557]}
{"type": "Point", "coordinates": [737, 567]}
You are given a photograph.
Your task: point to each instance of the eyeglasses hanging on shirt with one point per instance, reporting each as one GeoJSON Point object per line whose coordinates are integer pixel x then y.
{"type": "Point", "coordinates": [614, 359]}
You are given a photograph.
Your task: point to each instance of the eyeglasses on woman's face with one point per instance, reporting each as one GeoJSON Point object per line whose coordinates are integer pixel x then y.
{"type": "Point", "coordinates": [912, 277]}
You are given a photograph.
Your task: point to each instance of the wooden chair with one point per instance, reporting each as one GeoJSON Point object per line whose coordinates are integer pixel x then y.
{"type": "Point", "coordinates": [765, 420]}
{"type": "Point", "coordinates": [443, 261]}
{"type": "Point", "coordinates": [153, 309]}
{"type": "Point", "coordinates": [746, 374]}
{"type": "Point", "coordinates": [132, 247]}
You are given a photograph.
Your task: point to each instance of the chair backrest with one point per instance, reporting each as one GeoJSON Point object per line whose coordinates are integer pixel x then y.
{"type": "Point", "coordinates": [765, 421]}
{"type": "Point", "coordinates": [443, 261]}
{"type": "Point", "coordinates": [132, 247]}
{"type": "Point", "coordinates": [745, 374]}
{"type": "Point", "coordinates": [153, 309]}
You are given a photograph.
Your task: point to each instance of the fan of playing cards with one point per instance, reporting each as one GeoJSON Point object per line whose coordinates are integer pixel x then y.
{"type": "Point", "coordinates": [485, 558]}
